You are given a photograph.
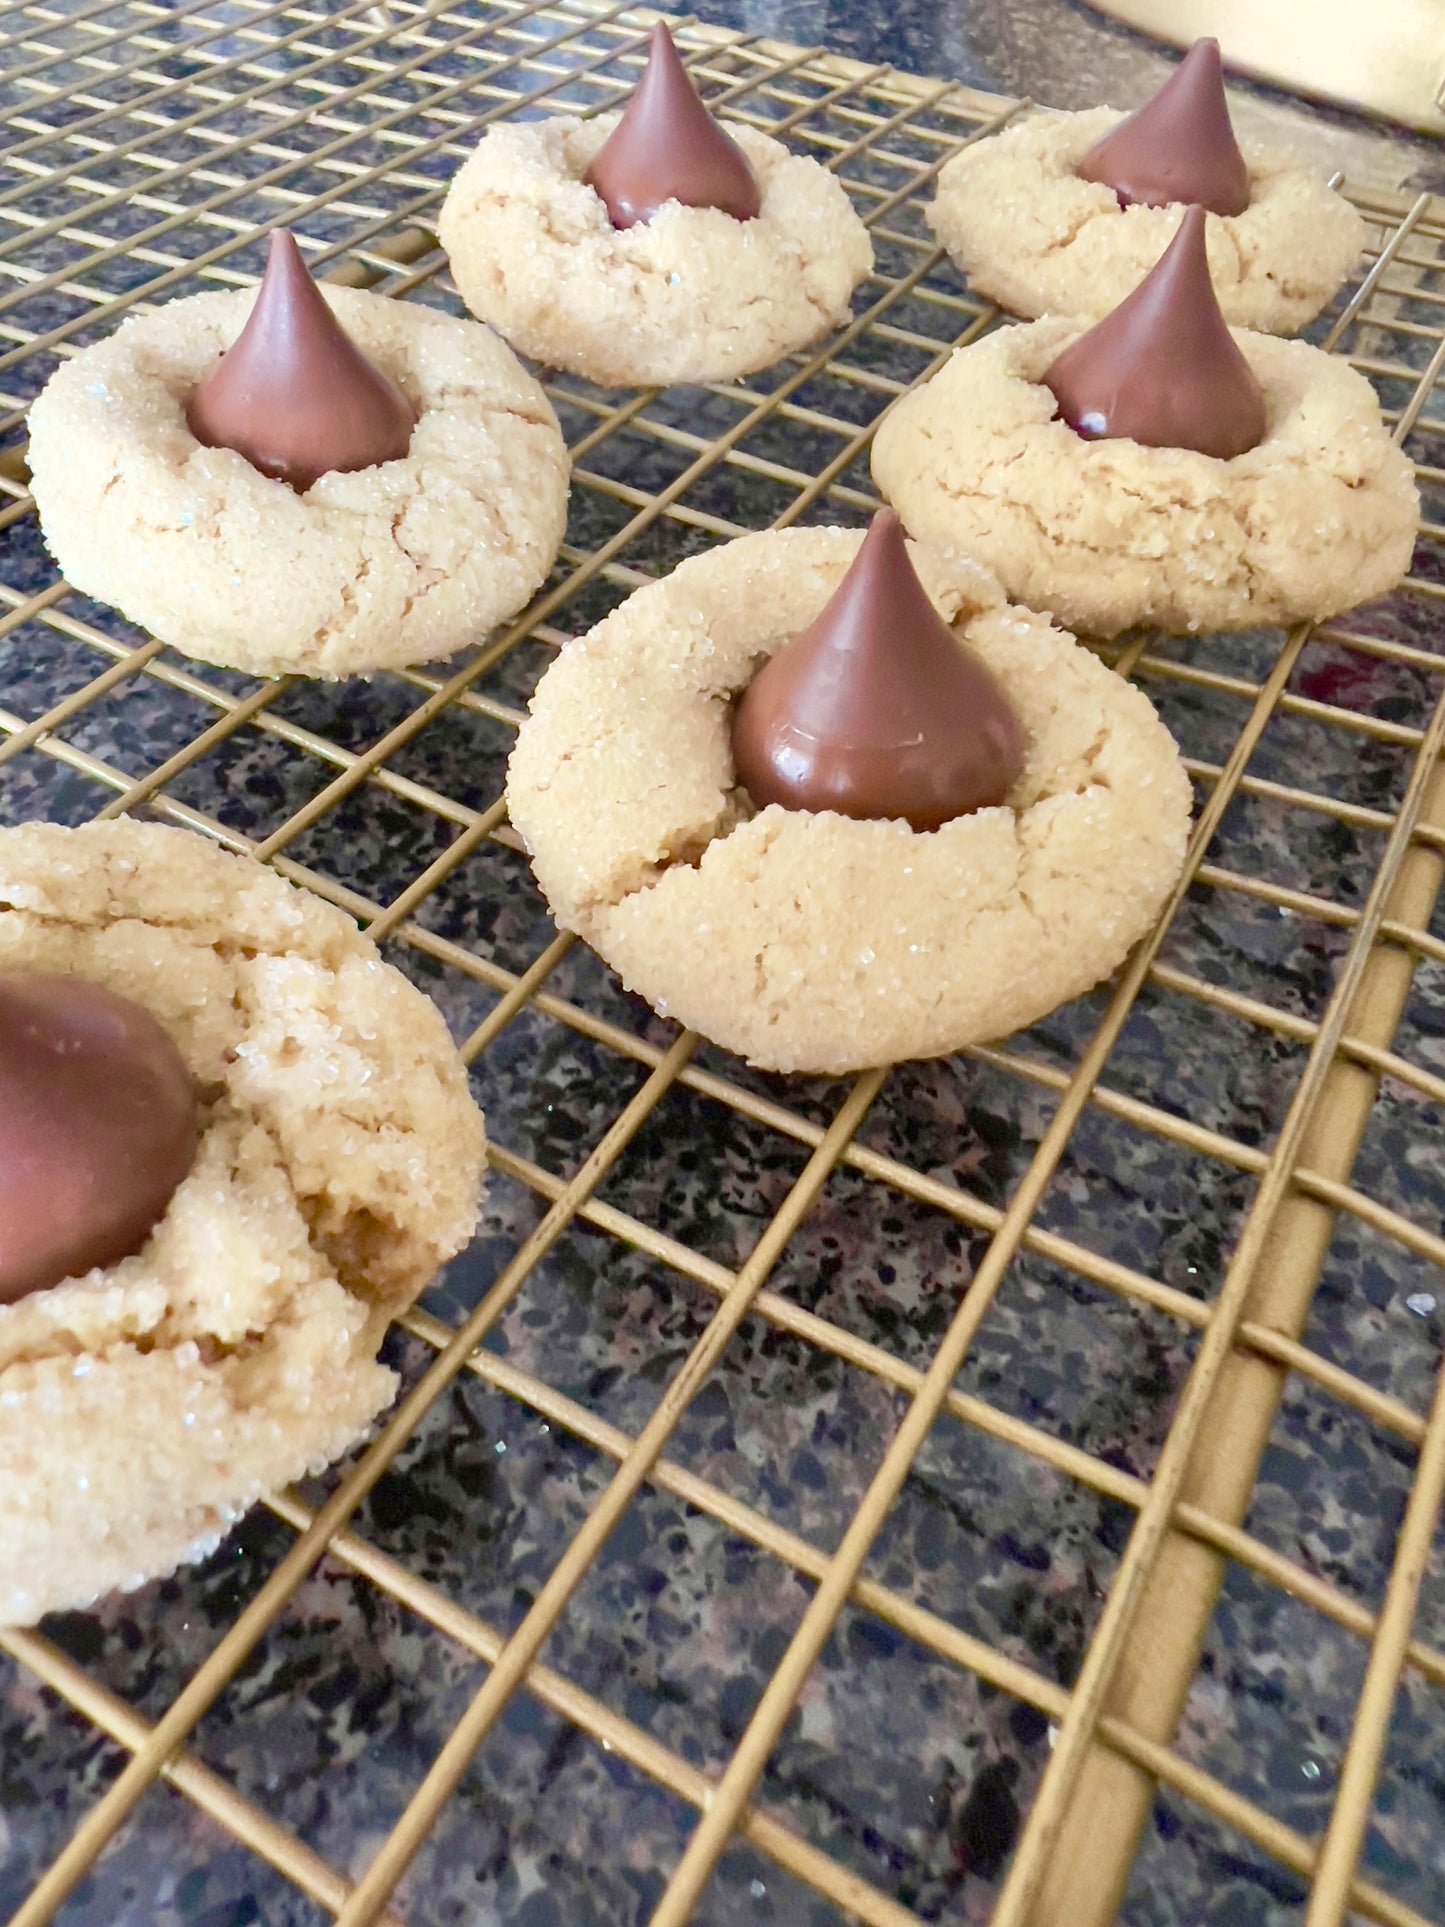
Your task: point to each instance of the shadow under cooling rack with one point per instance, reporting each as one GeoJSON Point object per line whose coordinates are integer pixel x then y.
{"type": "Point", "coordinates": [1001, 1488]}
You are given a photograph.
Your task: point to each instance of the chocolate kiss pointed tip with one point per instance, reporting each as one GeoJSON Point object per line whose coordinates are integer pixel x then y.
{"type": "Point", "coordinates": [293, 393]}
{"type": "Point", "coordinates": [875, 711]}
{"type": "Point", "coordinates": [97, 1128]}
{"type": "Point", "coordinates": [1163, 368]}
{"type": "Point", "coordinates": [668, 147]}
{"type": "Point", "coordinates": [1179, 146]}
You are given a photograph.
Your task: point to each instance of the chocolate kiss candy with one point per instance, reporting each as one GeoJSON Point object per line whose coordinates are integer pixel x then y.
{"type": "Point", "coordinates": [97, 1128]}
{"type": "Point", "coordinates": [1163, 368]}
{"type": "Point", "coordinates": [668, 147]}
{"type": "Point", "coordinates": [875, 710]}
{"type": "Point", "coordinates": [293, 393]}
{"type": "Point", "coordinates": [1179, 146]}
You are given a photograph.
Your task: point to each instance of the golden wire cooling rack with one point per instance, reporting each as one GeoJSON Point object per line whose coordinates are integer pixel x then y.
{"type": "Point", "coordinates": [1226, 1165]}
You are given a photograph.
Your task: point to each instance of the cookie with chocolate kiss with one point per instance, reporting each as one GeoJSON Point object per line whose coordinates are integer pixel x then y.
{"type": "Point", "coordinates": [97, 1128]}
{"type": "Point", "coordinates": [1163, 368]}
{"type": "Point", "coordinates": [876, 710]}
{"type": "Point", "coordinates": [293, 393]}
{"type": "Point", "coordinates": [1179, 146]}
{"type": "Point", "coordinates": [668, 147]}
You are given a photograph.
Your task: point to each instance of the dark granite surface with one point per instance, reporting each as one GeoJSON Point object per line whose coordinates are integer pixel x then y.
{"type": "Point", "coordinates": [901, 1766]}
{"type": "Point", "coordinates": [1065, 54]}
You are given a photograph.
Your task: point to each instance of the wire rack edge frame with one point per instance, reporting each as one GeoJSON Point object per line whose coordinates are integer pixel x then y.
{"type": "Point", "coordinates": [1095, 1740]}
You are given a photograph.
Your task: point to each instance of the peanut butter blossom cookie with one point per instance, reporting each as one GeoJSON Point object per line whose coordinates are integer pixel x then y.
{"type": "Point", "coordinates": [797, 810]}
{"type": "Point", "coordinates": [326, 483]}
{"type": "Point", "coordinates": [233, 1145]}
{"type": "Point", "coordinates": [1063, 213]}
{"type": "Point", "coordinates": [1156, 468]}
{"type": "Point", "coordinates": [653, 247]}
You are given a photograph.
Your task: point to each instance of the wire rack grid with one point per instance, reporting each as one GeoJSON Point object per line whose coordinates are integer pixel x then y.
{"type": "Point", "coordinates": [829, 1403]}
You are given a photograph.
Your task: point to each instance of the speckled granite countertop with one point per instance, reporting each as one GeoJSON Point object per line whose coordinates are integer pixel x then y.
{"type": "Point", "coordinates": [1066, 55]}
{"type": "Point", "coordinates": [896, 1763]}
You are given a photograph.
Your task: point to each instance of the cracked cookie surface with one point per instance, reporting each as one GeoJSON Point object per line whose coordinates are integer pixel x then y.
{"type": "Point", "coordinates": [1029, 234]}
{"type": "Point", "coordinates": [404, 562]}
{"type": "Point", "coordinates": [1106, 534]}
{"type": "Point", "coordinates": [692, 295]}
{"type": "Point", "coordinates": [145, 1405]}
{"type": "Point", "coordinates": [816, 942]}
